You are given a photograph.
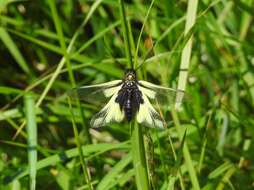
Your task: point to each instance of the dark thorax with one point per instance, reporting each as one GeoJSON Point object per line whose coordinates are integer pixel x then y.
{"type": "Point", "coordinates": [129, 96]}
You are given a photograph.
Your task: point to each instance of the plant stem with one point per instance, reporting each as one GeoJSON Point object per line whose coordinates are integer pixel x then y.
{"type": "Point", "coordinates": [81, 155]}
{"type": "Point", "coordinates": [186, 152]}
{"type": "Point", "coordinates": [125, 35]}
{"type": "Point", "coordinates": [139, 158]}
{"type": "Point", "coordinates": [31, 138]}
{"type": "Point", "coordinates": [186, 53]}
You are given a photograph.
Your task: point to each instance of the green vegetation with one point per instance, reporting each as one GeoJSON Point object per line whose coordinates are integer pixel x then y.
{"type": "Point", "coordinates": [49, 47]}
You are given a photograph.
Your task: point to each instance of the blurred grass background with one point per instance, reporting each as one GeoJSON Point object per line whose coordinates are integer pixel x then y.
{"type": "Point", "coordinates": [48, 47]}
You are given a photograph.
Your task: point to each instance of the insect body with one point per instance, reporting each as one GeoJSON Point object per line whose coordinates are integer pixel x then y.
{"type": "Point", "coordinates": [129, 98]}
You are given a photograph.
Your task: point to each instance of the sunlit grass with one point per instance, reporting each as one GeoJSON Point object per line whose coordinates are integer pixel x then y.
{"type": "Point", "coordinates": [49, 47]}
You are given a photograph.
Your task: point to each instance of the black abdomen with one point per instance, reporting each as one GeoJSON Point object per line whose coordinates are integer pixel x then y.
{"type": "Point", "coordinates": [129, 99]}
{"type": "Point", "coordinates": [128, 110]}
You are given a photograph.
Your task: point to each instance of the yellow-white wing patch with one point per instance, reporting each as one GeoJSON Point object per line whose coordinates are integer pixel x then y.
{"type": "Point", "coordinates": [108, 89]}
{"type": "Point", "coordinates": [149, 93]}
{"type": "Point", "coordinates": [110, 112]}
{"type": "Point", "coordinates": [166, 94]}
{"type": "Point", "coordinates": [151, 85]}
{"type": "Point", "coordinates": [147, 115]}
{"type": "Point", "coordinates": [111, 91]}
{"type": "Point", "coordinates": [110, 83]}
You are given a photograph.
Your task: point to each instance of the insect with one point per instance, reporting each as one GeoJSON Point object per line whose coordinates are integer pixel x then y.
{"type": "Point", "coordinates": [129, 98]}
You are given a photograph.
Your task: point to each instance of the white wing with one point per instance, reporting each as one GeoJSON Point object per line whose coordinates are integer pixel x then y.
{"type": "Point", "coordinates": [95, 91]}
{"type": "Point", "coordinates": [159, 95]}
{"type": "Point", "coordinates": [110, 113]}
{"type": "Point", "coordinates": [147, 115]}
{"type": "Point", "coordinates": [98, 94]}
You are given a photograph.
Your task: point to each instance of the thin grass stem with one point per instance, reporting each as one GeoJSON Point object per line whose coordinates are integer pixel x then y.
{"type": "Point", "coordinates": [184, 67]}
{"type": "Point", "coordinates": [139, 158]}
{"type": "Point", "coordinates": [126, 34]}
{"type": "Point", "coordinates": [186, 53]}
{"type": "Point", "coordinates": [81, 155]}
{"type": "Point", "coordinates": [186, 152]}
{"type": "Point", "coordinates": [31, 138]}
{"type": "Point", "coordinates": [141, 32]}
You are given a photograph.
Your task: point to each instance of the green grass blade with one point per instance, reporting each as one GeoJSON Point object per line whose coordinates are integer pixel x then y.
{"type": "Point", "coordinates": [220, 170]}
{"type": "Point", "coordinates": [139, 159]}
{"type": "Point", "coordinates": [61, 39]}
{"type": "Point", "coordinates": [31, 138]}
{"type": "Point", "coordinates": [41, 43]}
{"type": "Point", "coordinates": [88, 150]}
{"type": "Point", "coordinates": [81, 154]}
{"type": "Point", "coordinates": [186, 152]}
{"type": "Point", "coordinates": [114, 173]}
{"type": "Point", "coordinates": [17, 55]}
{"type": "Point", "coordinates": [9, 90]}
{"type": "Point", "coordinates": [126, 177]}
{"type": "Point", "coordinates": [186, 54]}
{"type": "Point", "coordinates": [226, 178]}
{"type": "Point", "coordinates": [126, 34]}
{"type": "Point", "coordinates": [12, 21]}
{"type": "Point", "coordinates": [57, 24]}
{"type": "Point", "coordinates": [96, 37]}
{"type": "Point", "coordinates": [184, 66]}
{"type": "Point", "coordinates": [141, 32]}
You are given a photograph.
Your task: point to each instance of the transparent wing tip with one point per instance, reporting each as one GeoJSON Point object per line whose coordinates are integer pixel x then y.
{"type": "Point", "coordinates": [179, 98]}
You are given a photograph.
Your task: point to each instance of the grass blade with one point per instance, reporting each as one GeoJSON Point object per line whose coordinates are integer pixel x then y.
{"type": "Point", "coordinates": [139, 159]}
{"type": "Point", "coordinates": [9, 43]}
{"type": "Point", "coordinates": [186, 54]}
{"type": "Point", "coordinates": [81, 154]}
{"type": "Point", "coordinates": [61, 39]}
{"type": "Point", "coordinates": [106, 182]}
{"type": "Point", "coordinates": [126, 34]}
{"type": "Point", "coordinates": [186, 152]}
{"type": "Point", "coordinates": [141, 32]}
{"type": "Point", "coordinates": [74, 152]}
{"type": "Point", "coordinates": [31, 138]}
{"type": "Point", "coordinates": [226, 178]}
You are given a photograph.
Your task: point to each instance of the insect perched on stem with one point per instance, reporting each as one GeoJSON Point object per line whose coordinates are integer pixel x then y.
{"type": "Point", "coordinates": [129, 98]}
